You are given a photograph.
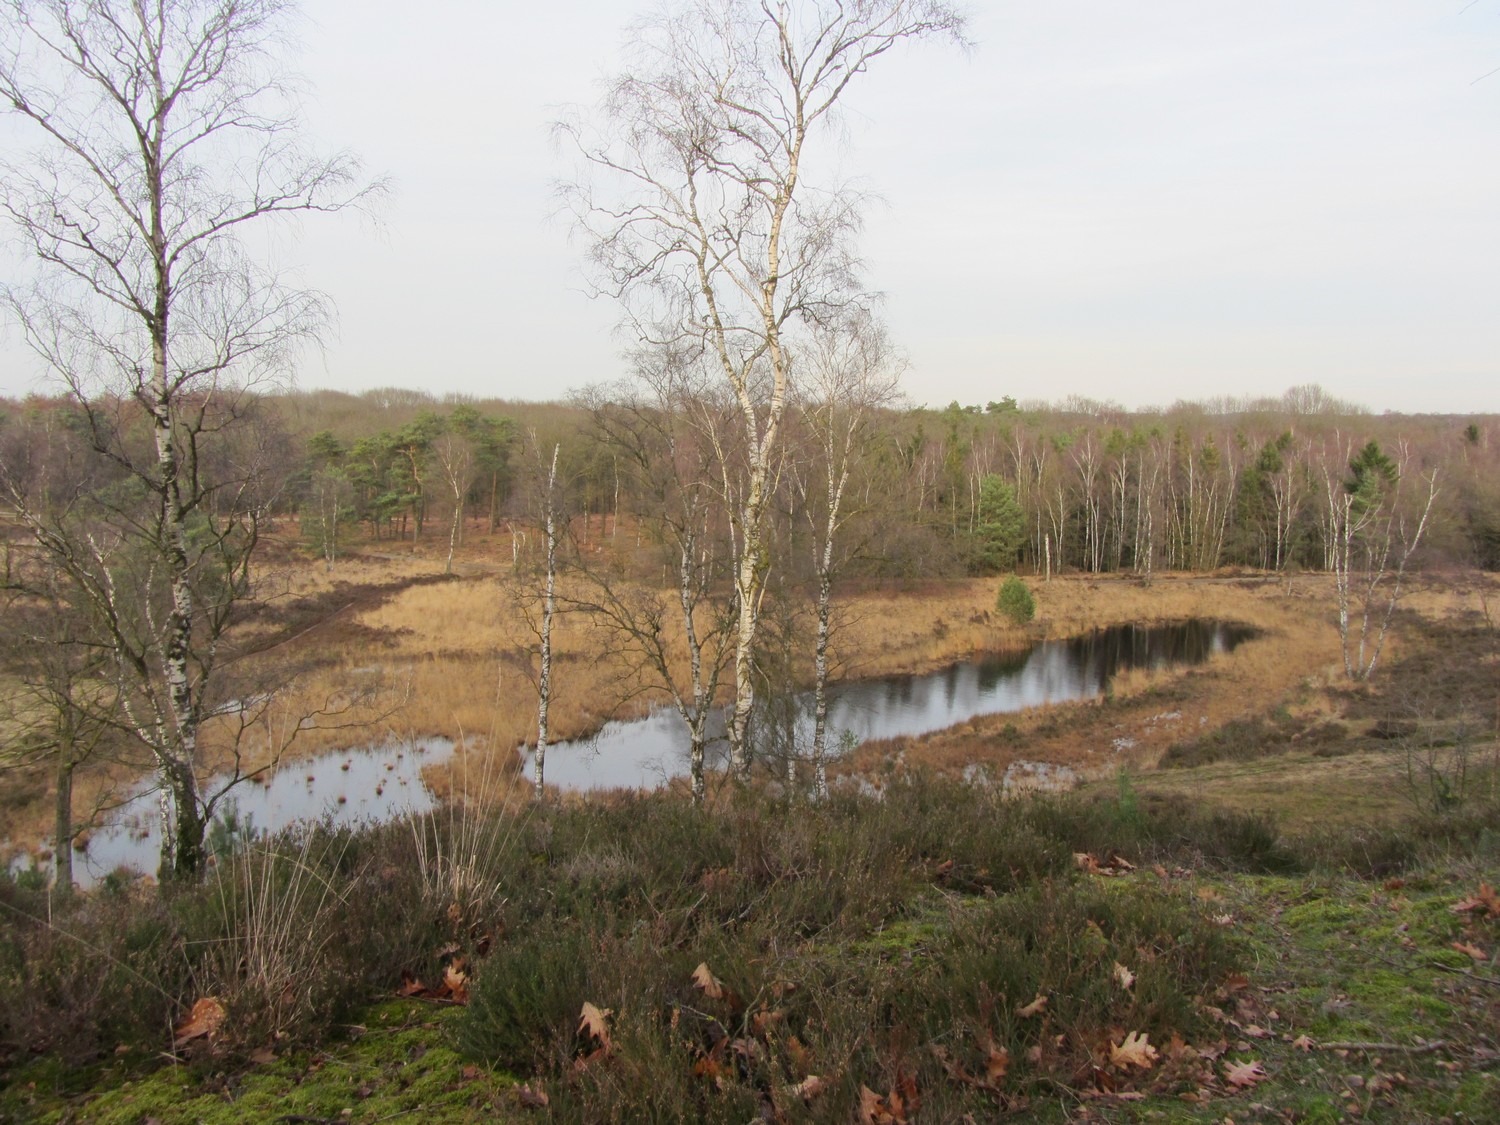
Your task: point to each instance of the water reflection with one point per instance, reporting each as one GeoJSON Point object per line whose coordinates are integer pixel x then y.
{"type": "Point", "coordinates": [383, 781]}
{"type": "Point", "coordinates": [375, 783]}
{"type": "Point", "coordinates": [645, 752]}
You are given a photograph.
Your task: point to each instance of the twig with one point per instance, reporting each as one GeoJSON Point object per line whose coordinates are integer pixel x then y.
{"type": "Point", "coordinates": [1387, 1048]}
{"type": "Point", "coordinates": [1470, 973]}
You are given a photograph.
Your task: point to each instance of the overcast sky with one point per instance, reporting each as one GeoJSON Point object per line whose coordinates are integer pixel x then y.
{"type": "Point", "coordinates": [1139, 201]}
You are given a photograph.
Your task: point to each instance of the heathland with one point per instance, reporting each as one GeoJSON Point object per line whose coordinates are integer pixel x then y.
{"type": "Point", "coordinates": [1270, 896]}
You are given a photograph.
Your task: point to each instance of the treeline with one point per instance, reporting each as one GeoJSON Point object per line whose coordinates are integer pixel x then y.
{"type": "Point", "coordinates": [1079, 485]}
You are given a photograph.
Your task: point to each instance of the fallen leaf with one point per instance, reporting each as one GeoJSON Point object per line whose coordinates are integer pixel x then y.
{"type": "Point", "coordinates": [456, 982]}
{"type": "Point", "coordinates": [1244, 1074]}
{"type": "Point", "coordinates": [1026, 1011]}
{"type": "Point", "coordinates": [1303, 1043]}
{"type": "Point", "coordinates": [533, 1097]}
{"type": "Point", "coordinates": [1471, 950]}
{"type": "Point", "coordinates": [411, 986]}
{"type": "Point", "coordinates": [893, 1109]}
{"type": "Point", "coordinates": [1133, 1050]}
{"type": "Point", "coordinates": [1484, 901]}
{"type": "Point", "coordinates": [810, 1087]}
{"type": "Point", "coordinates": [1255, 1032]}
{"type": "Point", "coordinates": [707, 983]}
{"type": "Point", "coordinates": [469, 1073]}
{"type": "Point", "coordinates": [262, 1056]}
{"type": "Point", "coordinates": [1125, 977]}
{"type": "Point", "coordinates": [593, 1022]}
{"type": "Point", "coordinates": [872, 1108]}
{"type": "Point", "coordinates": [206, 1017]}
{"type": "Point", "coordinates": [708, 1067]}
{"type": "Point", "coordinates": [764, 1020]}
{"type": "Point", "coordinates": [801, 1057]}
{"type": "Point", "coordinates": [996, 1062]}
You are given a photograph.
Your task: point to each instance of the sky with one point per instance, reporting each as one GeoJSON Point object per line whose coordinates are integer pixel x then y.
{"type": "Point", "coordinates": [1135, 202]}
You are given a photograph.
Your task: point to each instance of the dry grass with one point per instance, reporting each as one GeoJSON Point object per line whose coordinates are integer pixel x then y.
{"type": "Point", "coordinates": [1293, 660]}
{"type": "Point", "coordinates": [417, 655]}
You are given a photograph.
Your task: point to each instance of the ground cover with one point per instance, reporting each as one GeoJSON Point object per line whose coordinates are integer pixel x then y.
{"type": "Point", "coordinates": [1292, 919]}
{"type": "Point", "coordinates": [939, 952]}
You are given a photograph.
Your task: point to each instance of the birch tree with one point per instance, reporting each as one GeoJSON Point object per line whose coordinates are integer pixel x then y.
{"type": "Point", "coordinates": [853, 373]}
{"type": "Point", "coordinates": [703, 225]}
{"type": "Point", "coordinates": [1374, 529]}
{"type": "Point", "coordinates": [676, 639]}
{"type": "Point", "coordinates": [548, 613]}
{"type": "Point", "coordinates": [455, 458]}
{"type": "Point", "coordinates": [163, 133]}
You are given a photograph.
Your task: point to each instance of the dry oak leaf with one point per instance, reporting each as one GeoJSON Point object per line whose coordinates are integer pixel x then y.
{"type": "Point", "coordinates": [1125, 977]}
{"type": "Point", "coordinates": [1484, 901]}
{"type": "Point", "coordinates": [456, 982]}
{"type": "Point", "coordinates": [996, 1062]}
{"type": "Point", "coordinates": [411, 986]}
{"type": "Point", "coordinates": [710, 985]}
{"type": "Point", "coordinates": [1133, 1050]}
{"type": "Point", "coordinates": [593, 1022]}
{"type": "Point", "coordinates": [810, 1087]}
{"type": "Point", "coordinates": [203, 1021]}
{"type": "Point", "coordinates": [1471, 950]}
{"type": "Point", "coordinates": [1244, 1074]}
{"type": "Point", "coordinates": [889, 1110]}
{"type": "Point", "coordinates": [764, 1020]}
{"type": "Point", "coordinates": [533, 1097]}
{"type": "Point", "coordinates": [1026, 1011]}
{"type": "Point", "coordinates": [1303, 1043]}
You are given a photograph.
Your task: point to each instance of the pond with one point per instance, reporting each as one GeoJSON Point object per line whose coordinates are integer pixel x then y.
{"type": "Point", "coordinates": [373, 783]}
{"type": "Point", "coordinates": [646, 752]}
{"type": "Point", "coordinates": [383, 781]}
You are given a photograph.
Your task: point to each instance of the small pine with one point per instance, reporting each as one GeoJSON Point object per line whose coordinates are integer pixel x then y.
{"type": "Point", "coordinates": [1015, 601]}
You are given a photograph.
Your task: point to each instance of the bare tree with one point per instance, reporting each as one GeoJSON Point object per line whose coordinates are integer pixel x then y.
{"type": "Point", "coordinates": [549, 517]}
{"type": "Point", "coordinates": [455, 456]}
{"type": "Point", "coordinates": [674, 639]}
{"type": "Point", "coordinates": [330, 509]}
{"type": "Point", "coordinates": [703, 226]}
{"type": "Point", "coordinates": [853, 372]}
{"type": "Point", "coordinates": [163, 131]}
{"type": "Point", "coordinates": [1373, 532]}
{"type": "Point", "coordinates": [59, 709]}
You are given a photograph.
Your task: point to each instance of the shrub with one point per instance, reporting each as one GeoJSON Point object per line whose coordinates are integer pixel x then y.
{"type": "Point", "coordinates": [1015, 601]}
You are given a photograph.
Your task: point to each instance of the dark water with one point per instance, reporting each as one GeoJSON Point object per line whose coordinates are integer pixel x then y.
{"type": "Point", "coordinates": [645, 752]}
{"type": "Point", "coordinates": [376, 783]}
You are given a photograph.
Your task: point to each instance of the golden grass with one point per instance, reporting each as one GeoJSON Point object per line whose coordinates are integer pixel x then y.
{"type": "Point", "coordinates": [1294, 659]}
{"type": "Point", "coordinates": [450, 659]}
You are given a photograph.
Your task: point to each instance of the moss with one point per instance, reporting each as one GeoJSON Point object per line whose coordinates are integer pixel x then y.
{"type": "Point", "coordinates": [398, 1063]}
